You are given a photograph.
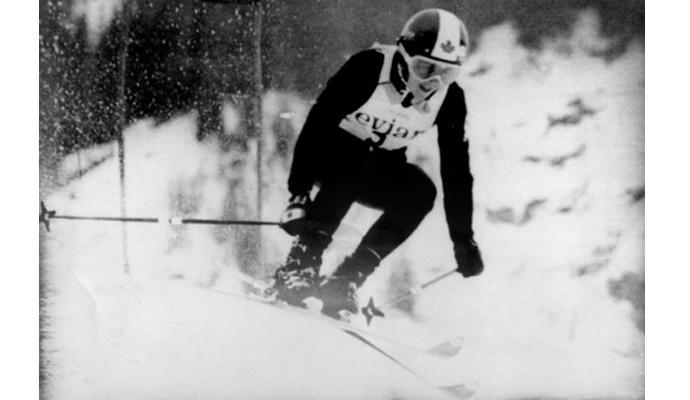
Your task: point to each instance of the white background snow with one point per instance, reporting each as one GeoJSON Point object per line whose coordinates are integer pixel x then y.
{"type": "Point", "coordinates": [544, 320]}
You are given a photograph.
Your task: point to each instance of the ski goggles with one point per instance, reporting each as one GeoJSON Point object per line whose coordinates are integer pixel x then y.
{"type": "Point", "coordinates": [425, 68]}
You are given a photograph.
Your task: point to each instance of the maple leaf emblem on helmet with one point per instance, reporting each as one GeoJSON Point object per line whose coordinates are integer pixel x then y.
{"type": "Point", "coordinates": [447, 46]}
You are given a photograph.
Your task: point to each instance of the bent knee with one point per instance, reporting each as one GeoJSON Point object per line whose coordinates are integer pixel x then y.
{"type": "Point", "coordinates": [423, 191]}
{"type": "Point", "coordinates": [428, 195]}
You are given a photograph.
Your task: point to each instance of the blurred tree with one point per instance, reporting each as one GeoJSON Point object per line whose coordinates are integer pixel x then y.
{"type": "Point", "coordinates": [62, 51]}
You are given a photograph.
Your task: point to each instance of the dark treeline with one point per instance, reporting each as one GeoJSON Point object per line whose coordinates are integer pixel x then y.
{"type": "Point", "coordinates": [192, 54]}
{"type": "Point", "coordinates": [178, 58]}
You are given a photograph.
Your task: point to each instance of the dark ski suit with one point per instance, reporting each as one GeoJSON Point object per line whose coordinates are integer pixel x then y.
{"type": "Point", "coordinates": [358, 155]}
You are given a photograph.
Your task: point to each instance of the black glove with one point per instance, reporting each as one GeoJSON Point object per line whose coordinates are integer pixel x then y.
{"type": "Point", "coordinates": [469, 258]}
{"type": "Point", "coordinates": [294, 218]}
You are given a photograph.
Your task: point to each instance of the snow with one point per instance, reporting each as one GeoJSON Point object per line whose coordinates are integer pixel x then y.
{"type": "Point", "coordinates": [159, 332]}
{"type": "Point", "coordinates": [557, 147]}
{"type": "Point", "coordinates": [171, 340]}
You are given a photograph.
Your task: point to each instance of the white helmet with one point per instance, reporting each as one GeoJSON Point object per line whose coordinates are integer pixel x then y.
{"type": "Point", "coordinates": [434, 43]}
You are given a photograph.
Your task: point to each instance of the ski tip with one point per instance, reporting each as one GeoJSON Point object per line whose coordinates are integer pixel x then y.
{"type": "Point", "coordinates": [370, 311]}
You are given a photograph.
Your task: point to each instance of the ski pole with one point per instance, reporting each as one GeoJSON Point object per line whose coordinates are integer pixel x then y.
{"type": "Point", "coordinates": [371, 310]}
{"type": "Point", "coordinates": [46, 215]}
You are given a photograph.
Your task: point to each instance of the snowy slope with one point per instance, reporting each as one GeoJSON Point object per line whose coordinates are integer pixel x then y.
{"type": "Point", "coordinates": [557, 148]}
{"type": "Point", "coordinates": [169, 340]}
{"type": "Point", "coordinates": [159, 332]}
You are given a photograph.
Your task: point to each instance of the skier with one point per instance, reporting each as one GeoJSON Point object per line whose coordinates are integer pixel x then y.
{"type": "Point", "coordinates": [352, 146]}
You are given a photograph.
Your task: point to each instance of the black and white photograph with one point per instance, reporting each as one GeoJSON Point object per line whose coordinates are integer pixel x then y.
{"type": "Point", "coordinates": [341, 199]}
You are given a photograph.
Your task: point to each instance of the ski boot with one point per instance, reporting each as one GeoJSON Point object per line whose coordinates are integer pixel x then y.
{"type": "Point", "coordinates": [339, 292]}
{"type": "Point", "coordinates": [339, 296]}
{"type": "Point", "coordinates": [299, 277]}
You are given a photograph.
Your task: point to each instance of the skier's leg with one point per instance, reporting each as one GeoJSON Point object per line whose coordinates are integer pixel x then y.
{"type": "Point", "coordinates": [339, 291]}
{"type": "Point", "coordinates": [339, 184]}
{"type": "Point", "coordinates": [324, 215]}
{"type": "Point", "coordinates": [331, 204]}
{"type": "Point", "coordinates": [298, 277]}
{"type": "Point", "coordinates": [407, 195]}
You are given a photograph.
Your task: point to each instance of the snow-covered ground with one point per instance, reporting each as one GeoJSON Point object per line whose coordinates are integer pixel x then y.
{"type": "Point", "coordinates": [557, 147]}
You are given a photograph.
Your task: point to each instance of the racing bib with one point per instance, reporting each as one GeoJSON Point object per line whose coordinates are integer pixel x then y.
{"type": "Point", "coordinates": [382, 121]}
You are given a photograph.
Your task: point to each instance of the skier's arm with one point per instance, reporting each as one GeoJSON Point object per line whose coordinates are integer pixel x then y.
{"type": "Point", "coordinates": [349, 88]}
{"type": "Point", "coordinates": [457, 180]}
{"type": "Point", "coordinates": [455, 164]}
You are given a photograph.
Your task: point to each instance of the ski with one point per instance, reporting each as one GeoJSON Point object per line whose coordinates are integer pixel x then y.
{"type": "Point", "coordinates": [459, 391]}
{"type": "Point", "coordinates": [258, 290]}
{"type": "Point", "coordinates": [446, 349]}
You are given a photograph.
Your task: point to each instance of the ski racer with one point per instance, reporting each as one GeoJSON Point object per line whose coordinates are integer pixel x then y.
{"type": "Point", "coordinates": [352, 146]}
